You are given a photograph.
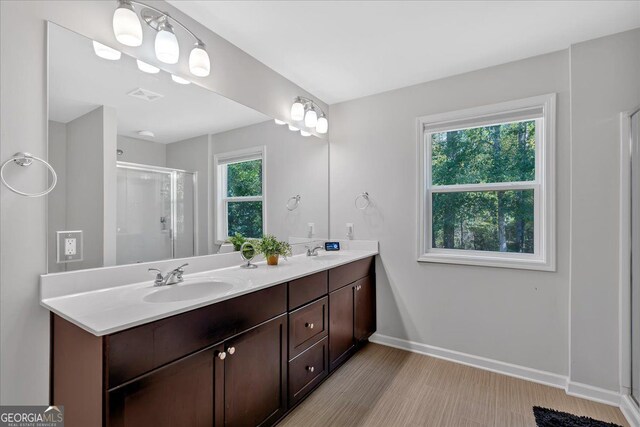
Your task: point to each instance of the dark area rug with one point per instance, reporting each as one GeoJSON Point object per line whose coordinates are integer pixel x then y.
{"type": "Point", "coordinates": [551, 418]}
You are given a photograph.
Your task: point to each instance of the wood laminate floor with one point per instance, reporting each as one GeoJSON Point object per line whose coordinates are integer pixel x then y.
{"type": "Point", "coordinates": [383, 386]}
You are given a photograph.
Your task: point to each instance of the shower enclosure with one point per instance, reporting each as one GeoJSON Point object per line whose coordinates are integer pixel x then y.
{"type": "Point", "coordinates": [156, 213]}
{"type": "Point", "coordinates": [635, 258]}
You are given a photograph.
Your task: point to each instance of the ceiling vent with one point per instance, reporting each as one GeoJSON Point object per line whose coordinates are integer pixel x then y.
{"type": "Point", "coordinates": [145, 94]}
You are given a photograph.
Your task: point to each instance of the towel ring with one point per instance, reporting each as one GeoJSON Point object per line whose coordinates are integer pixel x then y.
{"type": "Point", "coordinates": [26, 159]}
{"type": "Point", "coordinates": [366, 202]}
{"type": "Point", "coordinates": [293, 202]}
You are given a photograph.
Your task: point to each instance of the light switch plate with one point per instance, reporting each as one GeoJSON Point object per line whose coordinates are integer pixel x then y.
{"type": "Point", "coordinates": [69, 244]}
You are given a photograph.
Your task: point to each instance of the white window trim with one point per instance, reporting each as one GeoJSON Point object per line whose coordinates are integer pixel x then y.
{"type": "Point", "coordinates": [544, 256]}
{"type": "Point", "coordinates": [221, 220]}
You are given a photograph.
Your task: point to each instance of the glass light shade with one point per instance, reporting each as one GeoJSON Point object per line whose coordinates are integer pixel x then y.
{"type": "Point", "coordinates": [179, 80]}
{"type": "Point", "coordinates": [311, 118]}
{"type": "Point", "coordinates": [106, 52]}
{"type": "Point", "coordinates": [293, 128]}
{"type": "Point", "coordinates": [297, 111]}
{"type": "Point", "coordinates": [167, 48]}
{"type": "Point", "coordinates": [279, 122]}
{"type": "Point", "coordinates": [147, 68]}
{"type": "Point", "coordinates": [126, 25]}
{"type": "Point", "coordinates": [323, 125]}
{"type": "Point", "coordinates": [305, 133]}
{"type": "Point", "coordinates": [199, 63]}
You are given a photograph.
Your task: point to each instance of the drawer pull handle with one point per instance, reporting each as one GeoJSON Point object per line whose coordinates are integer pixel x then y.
{"type": "Point", "coordinates": [221, 355]}
{"type": "Point", "coordinates": [308, 325]}
{"type": "Point", "coordinates": [310, 368]}
{"type": "Point", "coordinates": [231, 350]}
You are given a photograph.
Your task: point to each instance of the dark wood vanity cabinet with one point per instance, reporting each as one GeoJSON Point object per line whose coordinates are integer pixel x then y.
{"type": "Point", "coordinates": [241, 362]}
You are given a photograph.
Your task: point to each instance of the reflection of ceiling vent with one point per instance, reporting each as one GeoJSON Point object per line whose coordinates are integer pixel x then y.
{"type": "Point", "coordinates": [145, 94]}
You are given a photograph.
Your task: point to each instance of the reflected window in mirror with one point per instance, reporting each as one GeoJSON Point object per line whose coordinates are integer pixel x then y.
{"type": "Point", "coordinates": [240, 200]}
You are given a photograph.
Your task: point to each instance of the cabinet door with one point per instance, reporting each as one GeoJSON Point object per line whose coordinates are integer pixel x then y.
{"type": "Point", "coordinates": [176, 395]}
{"type": "Point", "coordinates": [365, 311]}
{"type": "Point", "coordinates": [255, 387]}
{"type": "Point", "coordinates": [341, 325]}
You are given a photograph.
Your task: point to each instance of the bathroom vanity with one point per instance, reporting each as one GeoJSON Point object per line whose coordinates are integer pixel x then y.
{"type": "Point", "coordinates": [242, 360]}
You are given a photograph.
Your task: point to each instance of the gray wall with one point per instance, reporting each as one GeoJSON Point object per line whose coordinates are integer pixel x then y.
{"type": "Point", "coordinates": [57, 215]}
{"type": "Point", "coordinates": [141, 151]}
{"type": "Point", "coordinates": [24, 325]}
{"type": "Point", "coordinates": [514, 316]}
{"type": "Point", "coordinates": [194, 155]}
{"type": "Point", "coordinates": [294, 165]}
{"type": "Point", "coordinates": [605, 81]}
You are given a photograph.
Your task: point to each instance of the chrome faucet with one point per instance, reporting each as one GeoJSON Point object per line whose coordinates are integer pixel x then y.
{"type": "Point", "coordinates": [314, 251]}
{"type": "Point", "coordinates": [171, 278]}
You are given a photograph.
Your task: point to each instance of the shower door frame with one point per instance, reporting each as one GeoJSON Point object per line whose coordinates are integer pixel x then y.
{"type": "Point", "coordinates": [628, 404]}
{"type": "Point", "coordinates": [173, 172]}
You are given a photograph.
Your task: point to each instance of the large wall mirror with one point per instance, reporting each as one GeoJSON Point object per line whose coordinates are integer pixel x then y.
{"type": "Point", "coordinates": [153, 167]}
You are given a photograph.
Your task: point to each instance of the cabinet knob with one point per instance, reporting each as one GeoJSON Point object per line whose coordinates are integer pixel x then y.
{"type": "Point", "coordinates": [308, 325]}
{"type": "Point", "coordinates": [221, 355]}
{"type": "Point", "coordinates": [231, 350]}
{"type": "Point", "coordinates": [358, 287]}
{"type": "Point", "coordinates": [310, 368]}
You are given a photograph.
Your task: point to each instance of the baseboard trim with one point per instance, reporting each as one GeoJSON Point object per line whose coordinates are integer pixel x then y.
{"type": "Point", "coordinates": [529, 374]}
{"type": "Point", "coordinates": [584, 391]}
{"type": "Point", "coordinates": [630, 411]}
{"type": "Point", "coordinates": [596, 394]}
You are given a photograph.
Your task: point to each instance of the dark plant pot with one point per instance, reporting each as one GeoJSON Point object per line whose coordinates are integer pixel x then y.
{"type": "Point", "coordinates": [272, 260]}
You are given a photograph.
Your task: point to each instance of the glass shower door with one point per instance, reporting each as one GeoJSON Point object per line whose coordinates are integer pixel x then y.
{"type": "Point", "coordinates": [143, 216]}
{"type": "Point", "coordinates": [635, 257]}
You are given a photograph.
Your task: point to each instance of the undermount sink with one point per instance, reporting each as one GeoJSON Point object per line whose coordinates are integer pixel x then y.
{"type": "Point", "coordinates": [188, 290]}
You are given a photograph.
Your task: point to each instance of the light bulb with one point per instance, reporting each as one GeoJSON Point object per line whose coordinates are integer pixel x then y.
{"type": "Point", "coordinates": [179, 80]}
{"type": "Point", "coordinates": [305, 133]}
{"type": "Point", "coordinates": [323, 124]}
{"type": "Point", "coordinates": [297, 110]}
{"type": "Point", "coordinates": [199, 63]}
{"type": "Point", "coordinates": [293, 128]}
{"type": "Point", "coordinates": [126, 25]}
{"type": "Point", "coordinates": [279, 122]}
{"type": "Point", "coordinates": [311, 118]}
{"type": "Point", "coordinates": [167, 48]}
{"type": "Point", "coordinates": [105, 52]}
{"type": "Point", "coordinates": [147, 68]}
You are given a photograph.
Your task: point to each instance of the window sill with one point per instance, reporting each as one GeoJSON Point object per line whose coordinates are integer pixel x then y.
{"type": "Point", "coordinates": [510, 261]}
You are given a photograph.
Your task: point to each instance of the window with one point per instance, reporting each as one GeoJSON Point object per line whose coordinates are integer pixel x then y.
{"type": "Point", "coordinates": [487, 185]}
{"type": "Point", "coordinates": [240, 193]}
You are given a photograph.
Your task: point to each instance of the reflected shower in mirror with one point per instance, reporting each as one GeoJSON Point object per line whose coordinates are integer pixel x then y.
{"type": "Point", "coordinates": [153, 167]}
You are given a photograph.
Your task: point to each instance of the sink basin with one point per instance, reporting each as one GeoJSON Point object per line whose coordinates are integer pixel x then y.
{"type": "Point", "coordinates": [188, 290]}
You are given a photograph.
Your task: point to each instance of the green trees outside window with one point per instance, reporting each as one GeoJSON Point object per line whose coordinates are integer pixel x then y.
{"type": "Point", "coordinates": [244, 186]}
{"type": "Point", "coordinates": [501, 220]}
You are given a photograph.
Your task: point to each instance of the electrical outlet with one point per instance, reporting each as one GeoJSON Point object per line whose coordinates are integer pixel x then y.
{"type": "Point", "coordinates": [69, 246]}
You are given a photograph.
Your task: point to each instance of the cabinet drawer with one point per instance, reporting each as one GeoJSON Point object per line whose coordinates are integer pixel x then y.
{"type": "Point", "coordinates": [307, 289]}
{"type": "Point", "coordinates": [138, 350]}
{"type": "Point", "coordinates": [349, 273]}
{"type": "Point", "coordinates": [307, 325]}
{"type": "Point", "coordinates": [307, 370]}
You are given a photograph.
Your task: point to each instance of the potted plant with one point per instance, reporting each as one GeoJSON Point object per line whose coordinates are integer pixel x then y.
{"type": "Point", "coordinates": [271, 248]}
{"type": "Point", "coordinates": [237, 240]}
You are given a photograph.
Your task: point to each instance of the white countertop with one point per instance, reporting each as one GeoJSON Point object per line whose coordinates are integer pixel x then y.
{"type": "Point", "coordinates": [113, 309]}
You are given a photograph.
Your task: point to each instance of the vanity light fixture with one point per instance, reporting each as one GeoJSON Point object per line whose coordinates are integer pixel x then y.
{"type": "Point", "coordinates": [147, 68]}
{"type": "Point", "coordinates": [293, 128]}
{"type": "Point", "coordinates": [314, 117]}
{"type": "Point", "coordinates": [128, 31]}
{"type": "Point", "coordinates": [279, 122]}
{"type": "Point", "coordinates": [304, 133]}
{"type": "Point", "coordinates": [126, 25]}
{"type": "Point", "coordinates": [179, 80]}
{"type": "Point", "coordinates": [105, 52]}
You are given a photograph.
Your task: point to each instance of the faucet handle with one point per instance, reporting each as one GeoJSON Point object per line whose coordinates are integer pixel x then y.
{"type": "Point", "coordinates": [159, 277]}
{"type": "Point", "coordinates": [181, 268]}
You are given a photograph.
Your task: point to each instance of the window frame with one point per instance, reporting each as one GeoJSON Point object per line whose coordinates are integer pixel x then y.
{"type": "Point", "coordinates": [221, 198]}
{"type": "Point", "coordinates": [544, 257]}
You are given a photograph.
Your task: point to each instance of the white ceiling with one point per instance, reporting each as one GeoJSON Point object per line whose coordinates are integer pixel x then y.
{"type": "Point", "coordinates": [341, 50]}
{"type": "Point", "coordinates": [79, 81]}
